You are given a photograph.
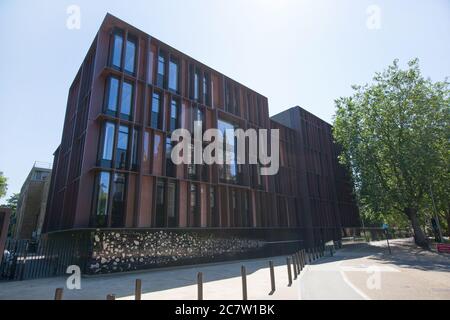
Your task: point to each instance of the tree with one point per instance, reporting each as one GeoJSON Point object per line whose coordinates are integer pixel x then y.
{"type": "Point", "coordinates": [395, 138]}
{"type": "Point", "coordinates": [12, 204]}
{"type": "Point", "coordinates": [3, 185]}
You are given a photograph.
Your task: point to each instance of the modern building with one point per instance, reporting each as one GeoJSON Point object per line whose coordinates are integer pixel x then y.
{"type": "Point", "coordinates": [31, 207]}
{"type": "Point", "coordinates": [114, 181]}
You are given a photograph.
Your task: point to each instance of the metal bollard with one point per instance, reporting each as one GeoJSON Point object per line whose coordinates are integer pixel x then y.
{"type": "Point", "coordinates": [272, 277]}
{"type": "Point", "coordinates": [288, 264]}
{"type": "Point", "coordinates": [138, 290]}
{"type": "Point", "coordinates": [293, 267]}
{"type": "Point", "coordinates": [59, 293]}
{"type": "Point", "coordinates": [299, 258]}
{"type": "Point", "coordinates": [244, 283]}
{"type": "Point", "coordinates": [303, 258]}
{"type": "Point", "coordinates": [200, 286]}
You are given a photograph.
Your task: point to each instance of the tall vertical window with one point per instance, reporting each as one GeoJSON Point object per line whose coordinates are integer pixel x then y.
{"type": "Point", "coordinates": [170, 166]}
{"type": "Point", "coordinates": [214, 213]}
{"type": "Point", "coordinates": [122, 147]}
{"type": "Point", "coordinates": [229, 171]}
{"type": "Point", "coordinates": [155, 121]}
{"type": "Point", "coordinates": [198, 116]}
{"type": "Point", "coordinates": [192, 167]}
{"type": "Point", "coordinates": [161, 70]}
{"type": "Point", "coordinates": [130, 55]}
{"type": "Point", "coordinates": [112, 95]}
{"type": "Point", "coordinates": [117, 50]}
{"type": "Point", "coordinates": [173, 75]}
{"type": "Point", "coordinates": [194, 216]}
{"type": "Point", "coordinates": [173, 115]}
{"type": "Point", "coordinates": [118, 201]}
{"type": "Point", "coordinates": [247, 218]}
{"type": "Point", "coordinates": [100, 217]}
{"type": "Point", "coordinates": [205, 89]}
{"type": "Point", "coordinates": [160, 212]}
{"type": "Point", "coordinates": [171, 204]}
{"type": "Point", "coordinates": [166, 204]}
{"type": "Point", "coordinates": [127, 100]}
{"type": "Point", "coordinates": [196, 85]}
{"type": "Point", "coordinates": [258, 175]}
{"type": "Point", "coordinates": [234, 213]}
{"type": "Point", "coordinates": [134, 149]}
{"type": "Point", "coordinates": [107, 144]}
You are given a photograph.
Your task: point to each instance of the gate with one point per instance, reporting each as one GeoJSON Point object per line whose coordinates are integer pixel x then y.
{"type": "Point", "coordinates": [31, 259]}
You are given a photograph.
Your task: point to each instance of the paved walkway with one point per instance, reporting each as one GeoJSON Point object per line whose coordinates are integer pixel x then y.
{"type": "Point", "coordinates": [363, 271]}
{"type": "Point", "coordinates": [358, 271]}
{"type": "Point", "coordinates": [221, 282]}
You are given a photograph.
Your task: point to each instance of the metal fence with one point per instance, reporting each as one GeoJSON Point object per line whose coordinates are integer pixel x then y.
{"type": "Point", "coordinates": [374, 234]}
{"type": "Point", "coordinates": [30, 259]}
{"type": "Point", "coordinates": [48, 257]}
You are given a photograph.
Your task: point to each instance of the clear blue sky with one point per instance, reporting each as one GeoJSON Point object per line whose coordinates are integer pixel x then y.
{"type": "Point", "coordinates": [294, 52]}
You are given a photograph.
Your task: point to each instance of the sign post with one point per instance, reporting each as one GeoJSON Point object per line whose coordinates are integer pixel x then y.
{"type": "Point", "coordinates": [386, 232]}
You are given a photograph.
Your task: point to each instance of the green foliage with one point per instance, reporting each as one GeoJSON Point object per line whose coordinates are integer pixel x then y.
{"type": "Point", "coordinates": [3, 185]}
{"type": "Point", "coordinates": [395, 136]}
{"type": "Point", "coordinates": [12, 203]}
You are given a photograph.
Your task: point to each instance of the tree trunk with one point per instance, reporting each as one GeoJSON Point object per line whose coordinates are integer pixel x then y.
{"type": "Point", "coordinates": [448, 222]}
{"type": "Point", "coordinates": [419, 236]}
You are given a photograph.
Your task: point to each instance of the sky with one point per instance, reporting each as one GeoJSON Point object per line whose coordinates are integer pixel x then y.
{"type": "Point", "coordinates": [294, 52]}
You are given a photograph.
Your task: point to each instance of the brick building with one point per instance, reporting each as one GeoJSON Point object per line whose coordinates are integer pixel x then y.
{"type": "Point", "coordinates": [113, 172]}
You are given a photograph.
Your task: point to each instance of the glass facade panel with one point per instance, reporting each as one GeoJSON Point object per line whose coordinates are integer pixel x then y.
{"type": "Point", "coordinates": [113, 94]}
{"type": "Point", "coordinates": [117, 50]}
{"type": "Point", "coordinates": [161, 70]}
{"type": "Point", "coordinates": [170, 166]}
{"type": "Point", "coordinates": [130, 55]}
{"type": "Point", "coordinates": [155, 121]}
{"type": "Point", "coordinates": [108, 141]}
{"type": "Point", "coordinates": [229, 171]}
{"type": "Point", "coordinates": [127, 99]}
{"type": "Point", "coordinates": [205, 89]}
{"type": "Point", "coordinates": [196, 86]}
{"type": "Point", "coordinates": [101, 207]}
{"type": "Point", "coordinates": [134, 150]}
{"type": "Point", "coordinates": [173, 115]}
{"type": "Point", "coordinates": [173, 75]}
{"type": "Point", "coordinates": [160, 212]}
{"type": "Point", "coordinates": [171, 204]}
{"type": "Point", "coordinates": [118, 201]}
{"type": "Point", "coordinates": [194, 214]}
{"type": "Point", "coordinates": [122, 147]}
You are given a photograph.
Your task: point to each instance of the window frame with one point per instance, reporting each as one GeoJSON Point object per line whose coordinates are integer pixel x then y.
{"type": "Point", "coordinates": [116, 32]}
{"type": "Point", "coordinates": [106, 103]}
{"type": "Point", "coordinates": [122, 86]}
{"type": "Point", "coordinates": [101, 161]}
{"type": "Point", "coordinates": [132, 39]}
{"type": "Point", "coordinates": [160, 109]}
{"type": "Point", "coordinates": [161, 78]}
{"type": "Point", "coordinates": [174, 61]}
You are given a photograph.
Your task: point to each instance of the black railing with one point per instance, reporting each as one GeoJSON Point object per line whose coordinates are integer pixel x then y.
{"type": "Point", "coordinates": [30, 259]}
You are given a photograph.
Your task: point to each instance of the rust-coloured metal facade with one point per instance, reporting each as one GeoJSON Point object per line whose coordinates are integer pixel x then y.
{"type": "Point", "coordinates": [111, 169]}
